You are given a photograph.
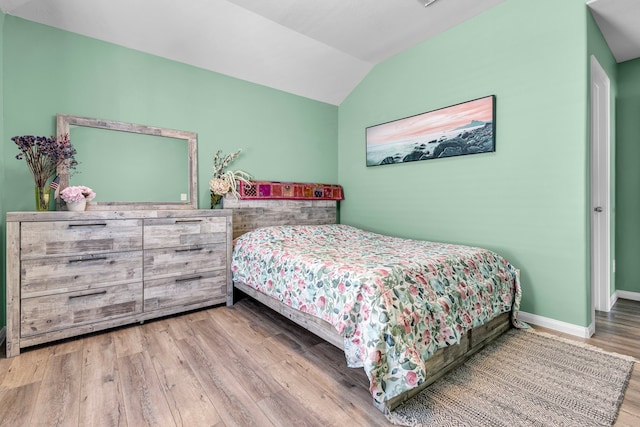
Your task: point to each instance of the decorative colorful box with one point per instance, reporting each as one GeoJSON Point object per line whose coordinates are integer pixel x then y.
{"type": "Point", "coordinates": [289, 190]}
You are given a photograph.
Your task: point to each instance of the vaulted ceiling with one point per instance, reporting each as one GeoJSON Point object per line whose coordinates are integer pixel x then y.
{"type": "Point", "coordinates": [317, 49]}
{"type": "Point", "coordinates": [619, 22]}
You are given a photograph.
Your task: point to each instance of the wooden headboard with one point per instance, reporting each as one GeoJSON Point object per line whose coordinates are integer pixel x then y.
{"type": "Point", "coordinates": [251, 214]}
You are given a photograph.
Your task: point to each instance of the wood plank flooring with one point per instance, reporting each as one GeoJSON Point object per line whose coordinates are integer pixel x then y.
{"type": "Point", "coordinates": [240, 366]}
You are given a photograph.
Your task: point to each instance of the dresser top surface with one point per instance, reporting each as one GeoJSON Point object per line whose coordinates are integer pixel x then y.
{"type": "Point", "coordinates": [116, 214]}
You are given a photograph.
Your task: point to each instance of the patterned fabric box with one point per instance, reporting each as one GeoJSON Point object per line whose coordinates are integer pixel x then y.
{"type": "Point", "coordinates": [289, 190]}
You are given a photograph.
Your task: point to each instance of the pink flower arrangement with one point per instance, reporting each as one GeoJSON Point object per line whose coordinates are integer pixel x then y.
{"type": "Point", "coordinates": [77, 194]}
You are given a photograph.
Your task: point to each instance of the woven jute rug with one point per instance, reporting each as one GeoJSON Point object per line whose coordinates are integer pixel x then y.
{"type": "Point", "coordinates": [525, 378]}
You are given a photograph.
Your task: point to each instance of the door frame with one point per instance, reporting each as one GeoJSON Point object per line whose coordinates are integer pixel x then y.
{"type": "Point", "coordinates": [600, 149]}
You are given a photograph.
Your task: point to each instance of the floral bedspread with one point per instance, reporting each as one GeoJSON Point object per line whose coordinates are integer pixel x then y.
{"type": "Point", "coordinates": [395, 301]}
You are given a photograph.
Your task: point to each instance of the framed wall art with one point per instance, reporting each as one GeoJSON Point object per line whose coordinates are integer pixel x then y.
{"type": "Point", "coordinates": [457, 130]}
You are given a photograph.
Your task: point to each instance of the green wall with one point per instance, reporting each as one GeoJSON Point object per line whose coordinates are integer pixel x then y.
{"type": "Point", "coordinates": [47, 71]}
{"type": "Point", "coordinates": [628, 176]}
{"type": "Point", "coordinates": [529, 199]}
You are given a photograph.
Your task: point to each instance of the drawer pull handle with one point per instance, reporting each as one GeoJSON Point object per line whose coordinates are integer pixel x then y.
{"type": "Point", "coordinates": [88, 295]}
{"type": "Point", "coordinates": [91, 224]}
{"type": "Point", "coordinates": [185, 221]}
{"type": "Point", "coordinates": [189, 250]}
{"type": "Point", "coordinates": [102, 258]}
{"type": "Point", "coordinates": [188, 279]}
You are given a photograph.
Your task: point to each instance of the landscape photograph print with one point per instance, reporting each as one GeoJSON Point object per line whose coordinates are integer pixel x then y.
{"type": "Point", "coordinates": [465, 128]}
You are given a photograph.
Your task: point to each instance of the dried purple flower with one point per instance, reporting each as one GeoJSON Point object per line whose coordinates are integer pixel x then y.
{"type": "Point", "coordinates": [43, 155]}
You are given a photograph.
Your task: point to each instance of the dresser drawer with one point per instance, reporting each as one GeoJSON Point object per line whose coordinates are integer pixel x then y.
{"type": "Point", "coordinates": [62, 311]}
{"type": "Point", "coordinates": [64, 274]}
{"type": "Point", "coordinates": [210, 286]}
{"type": "Point", "coordinates": [184, 260]}
{"type": "Point", "coordinates": [55, 238]}
{"type": "Point", "coordinates": [172, 232]}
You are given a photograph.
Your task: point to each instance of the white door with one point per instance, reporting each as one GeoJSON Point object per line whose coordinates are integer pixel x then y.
{"type": "Point", "coordinates": [600, 189]}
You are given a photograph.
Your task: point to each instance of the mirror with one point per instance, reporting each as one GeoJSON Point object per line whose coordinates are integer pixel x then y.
{"type": "Point", "coordinates": [131, 166]}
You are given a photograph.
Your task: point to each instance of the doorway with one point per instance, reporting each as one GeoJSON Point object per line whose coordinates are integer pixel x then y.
{"type": "Point", "coordinates": [600, 190]}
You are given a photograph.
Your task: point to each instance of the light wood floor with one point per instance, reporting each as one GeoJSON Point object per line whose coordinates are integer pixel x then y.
{"type": "Point", "coordinates": [221, 367]}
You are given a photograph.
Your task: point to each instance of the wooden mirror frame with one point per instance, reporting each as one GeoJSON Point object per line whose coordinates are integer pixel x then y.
{"type": "Point", "coordinates": [65, 121]}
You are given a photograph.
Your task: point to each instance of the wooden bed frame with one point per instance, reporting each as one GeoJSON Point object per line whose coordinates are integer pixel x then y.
{"type": "Point", "coordinates": [251, 214]}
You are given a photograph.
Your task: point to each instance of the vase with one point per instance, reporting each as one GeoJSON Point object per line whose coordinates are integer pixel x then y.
{"type": "Point", "coordinates": [77, 206]}
{"type": "Point", "coordinates": [42, 199]}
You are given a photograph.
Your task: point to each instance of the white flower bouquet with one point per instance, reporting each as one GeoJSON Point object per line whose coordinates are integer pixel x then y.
{"type": "Point", "coordinates": [225, 182]}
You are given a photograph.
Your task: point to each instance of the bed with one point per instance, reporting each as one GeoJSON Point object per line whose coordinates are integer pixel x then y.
{"type": "Point", "coordinates": [366, 298]}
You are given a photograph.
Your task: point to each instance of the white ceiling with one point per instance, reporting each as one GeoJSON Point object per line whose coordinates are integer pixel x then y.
{"type": "Point", "coordinates": [319, 49]}
{"type": "Point", "coordinates": [619, 22]}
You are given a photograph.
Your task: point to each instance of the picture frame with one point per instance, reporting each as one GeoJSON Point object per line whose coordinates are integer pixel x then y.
{"type": "Point", "coordinates": [456, 130]}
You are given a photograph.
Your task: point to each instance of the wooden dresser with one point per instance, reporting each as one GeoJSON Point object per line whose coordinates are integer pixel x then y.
{"type": "Point", "coordinates": [70, 273]}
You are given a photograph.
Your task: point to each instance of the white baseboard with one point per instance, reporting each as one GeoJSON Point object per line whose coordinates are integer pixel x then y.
{"type": "Point", "coordinates": [569, 328]}
{"type": "Point", "coordinates": [557, 325]}
{"type": "Point", "coordinates": [633, 296]}
{"type": "Point", "coordinates": [613, 300]}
